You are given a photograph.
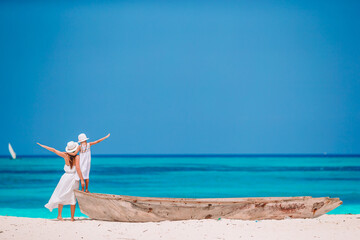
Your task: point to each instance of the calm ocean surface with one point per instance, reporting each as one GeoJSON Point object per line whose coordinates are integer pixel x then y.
{"type": "Point", "coordinates": [26, 184]}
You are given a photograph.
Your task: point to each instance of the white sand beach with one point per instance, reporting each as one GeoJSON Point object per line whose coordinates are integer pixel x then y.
{"type": "Point", "coordinates": [325, 227]}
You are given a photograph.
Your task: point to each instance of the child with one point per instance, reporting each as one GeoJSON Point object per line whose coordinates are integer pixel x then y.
{"type": "Point", "coordinates": [85, 157]}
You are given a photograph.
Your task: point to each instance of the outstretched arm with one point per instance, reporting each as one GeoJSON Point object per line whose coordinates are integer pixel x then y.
{"type": "Point", "coordinates": [61, 154]}
{"type": "Point", "coordinates": [100, 140]}
{"type": "Point", "coordinates": [78, 170]}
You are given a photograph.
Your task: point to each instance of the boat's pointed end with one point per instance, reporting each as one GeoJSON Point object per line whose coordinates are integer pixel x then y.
{"type": "Point", "coordinates": [332, 204]}
{"type": "Point", "coordinates": [336, 201]}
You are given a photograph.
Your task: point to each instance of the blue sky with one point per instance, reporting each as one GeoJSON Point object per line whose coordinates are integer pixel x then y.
{"type": "Point", "coordinates": [181, 76]}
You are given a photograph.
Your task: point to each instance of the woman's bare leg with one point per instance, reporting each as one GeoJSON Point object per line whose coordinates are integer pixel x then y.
{"type": "Point", "coordinates": [87, 185]}
{"type": "Point", "coordinates": [72, 208]}
{"type": "Point", "coordinates": [60, 207]}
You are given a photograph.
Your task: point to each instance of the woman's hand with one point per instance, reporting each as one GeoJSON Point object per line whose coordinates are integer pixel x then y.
{"type": "Point", "coordinates": [78, 170]}
{"type": "Point", "coordinates": [61, 154]}
{"type": "Point", "coordinates": [82, 184]}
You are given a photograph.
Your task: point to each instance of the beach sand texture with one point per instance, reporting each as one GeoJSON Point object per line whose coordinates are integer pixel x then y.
{"type": "Point", "coordinates": [325, 227]}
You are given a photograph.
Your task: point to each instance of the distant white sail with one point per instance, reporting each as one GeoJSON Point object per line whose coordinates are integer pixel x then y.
{"type": "Point", "coordinates": [12, 153]}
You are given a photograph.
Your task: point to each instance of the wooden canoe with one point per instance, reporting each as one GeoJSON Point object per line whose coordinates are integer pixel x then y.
{"type": "Point", "coordinates": [148, 209]}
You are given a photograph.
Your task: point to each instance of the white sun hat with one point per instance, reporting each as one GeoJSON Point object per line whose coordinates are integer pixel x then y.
{"type": "Point", "coordinates": [82, 137]}
{"type": "Point", "coordinates": [71, 147]}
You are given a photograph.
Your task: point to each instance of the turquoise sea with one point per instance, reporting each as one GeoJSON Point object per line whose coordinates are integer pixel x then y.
{"type": "Point", "coordinates": [26, 184]}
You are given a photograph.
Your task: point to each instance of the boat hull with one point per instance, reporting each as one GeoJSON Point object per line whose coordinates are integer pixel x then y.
{"type": "Point", "coordinates": [145, 209]}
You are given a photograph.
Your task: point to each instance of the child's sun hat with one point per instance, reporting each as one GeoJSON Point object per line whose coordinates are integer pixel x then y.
{"type": "Point", "coordinates": [71, 147]}
{"type": "Point", "coordinates": [82, 137]}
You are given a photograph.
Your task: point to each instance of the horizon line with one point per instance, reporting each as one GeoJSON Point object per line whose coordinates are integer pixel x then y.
{"type": "Point", "coordinates": [202, 155]}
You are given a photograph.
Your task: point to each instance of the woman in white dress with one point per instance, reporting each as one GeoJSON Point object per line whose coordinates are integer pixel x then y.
{"type": "Point", "coordinates": [64, 191]}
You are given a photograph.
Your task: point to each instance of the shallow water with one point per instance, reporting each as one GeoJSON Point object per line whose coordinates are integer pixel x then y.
{"type": "Point", "coordinates": [26, 184]}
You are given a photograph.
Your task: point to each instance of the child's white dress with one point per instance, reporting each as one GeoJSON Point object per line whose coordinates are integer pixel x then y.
{"type": "Point", "coordinates": [64, 191]}
{"type": "Point", "coordinates": [85, 161]}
